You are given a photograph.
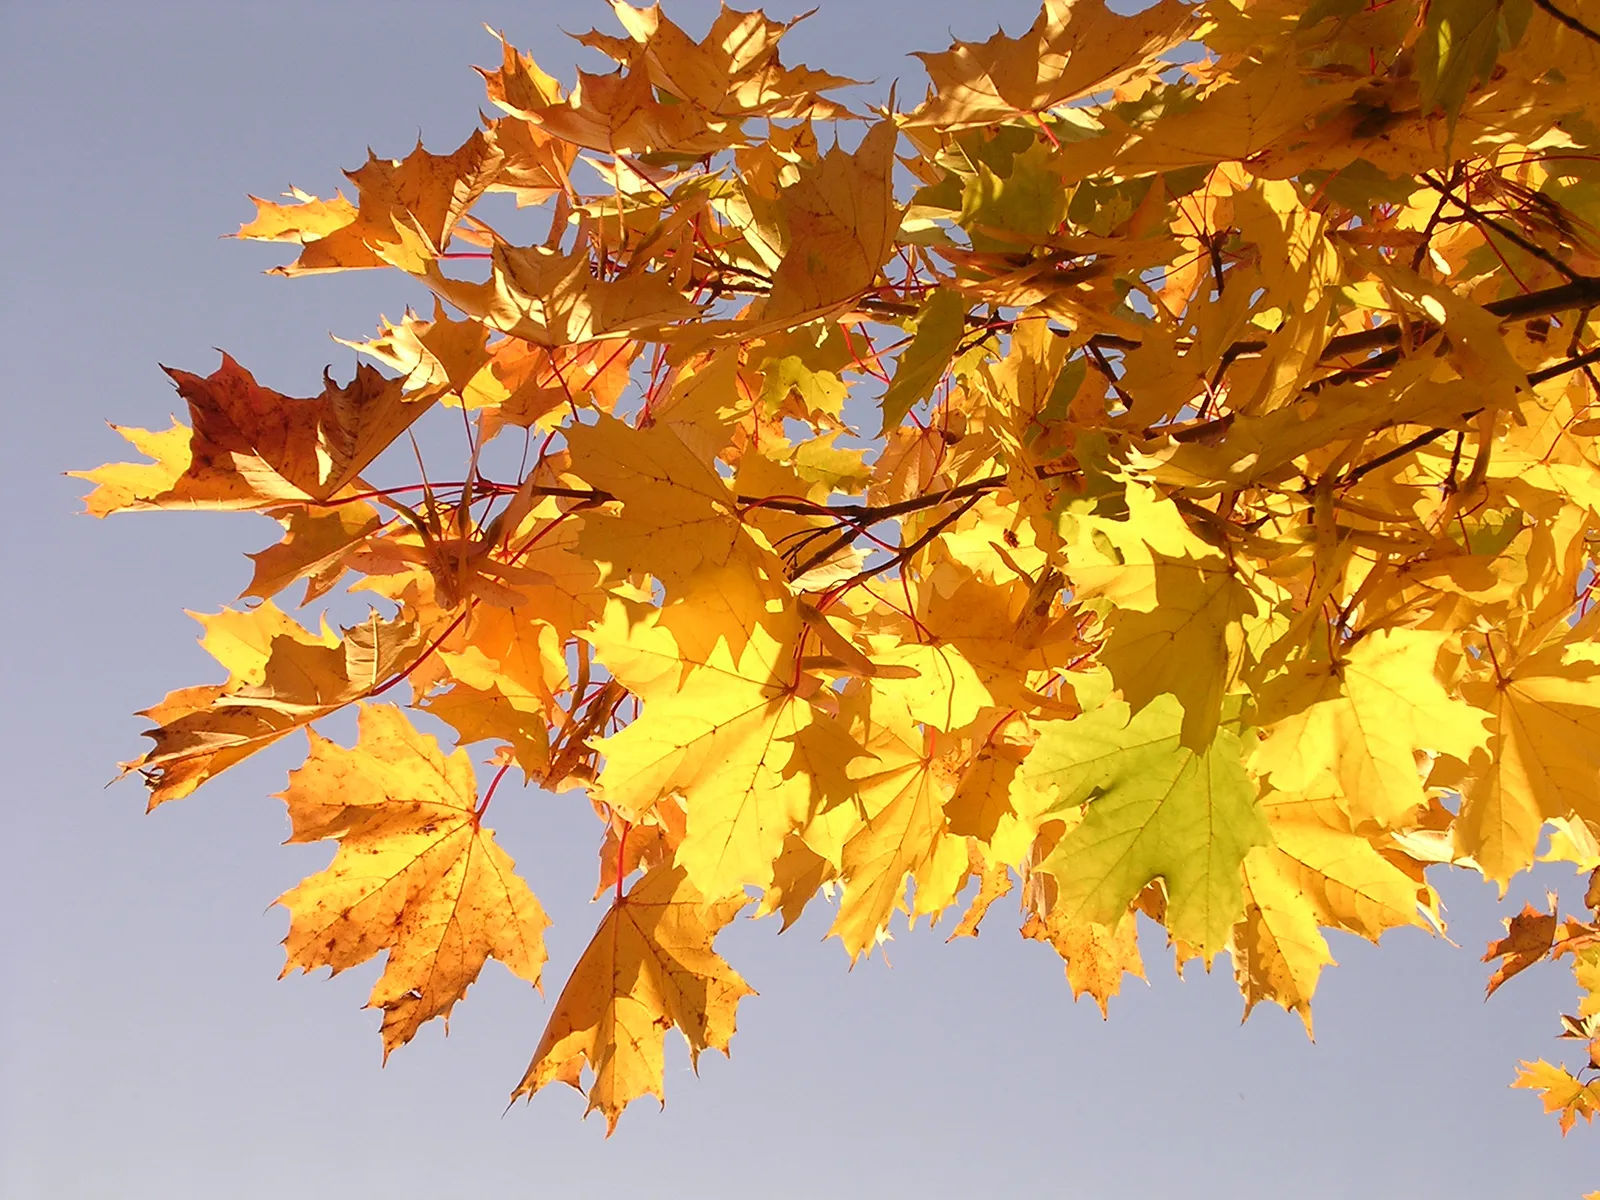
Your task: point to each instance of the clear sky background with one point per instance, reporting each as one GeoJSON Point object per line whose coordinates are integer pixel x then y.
{"type": "Point", "coordinates": [146, 1047]}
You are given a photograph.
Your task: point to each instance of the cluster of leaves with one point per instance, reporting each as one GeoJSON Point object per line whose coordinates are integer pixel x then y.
{"type": "Point", "coordinates": [1183, 504]}
{"type": "Point", "coordinates": [1532, 936]}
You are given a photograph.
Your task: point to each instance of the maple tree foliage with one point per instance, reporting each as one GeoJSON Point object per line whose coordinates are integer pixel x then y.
{"type": "Point", "coordinates": [1155, 473]}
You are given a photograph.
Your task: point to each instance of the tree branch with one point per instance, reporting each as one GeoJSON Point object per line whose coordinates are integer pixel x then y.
{"type": "Point", "coordinates": [1576, 363]}
{"type": "Point", "coordinates": [906, 552]}
{"type": "Point", "coordinates": [1388, 456]}
{"type": "Point", "coordinates": [1486, 223]}
{"type": "Point", "coordinates": [1568, 20]}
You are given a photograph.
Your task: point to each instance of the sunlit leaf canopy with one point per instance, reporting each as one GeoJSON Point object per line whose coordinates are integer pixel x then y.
{"type": "Point", "coordinates": [1153, 472]}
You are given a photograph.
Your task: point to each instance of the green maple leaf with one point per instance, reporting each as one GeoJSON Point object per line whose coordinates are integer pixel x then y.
{"type": "Point", "coordinates": [1152, 808]}
{"type": "Point", "coordinates": [1459, 44]}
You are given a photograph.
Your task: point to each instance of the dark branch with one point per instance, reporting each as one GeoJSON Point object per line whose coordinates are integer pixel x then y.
{"type": "Point", "coordinates": [1388, 456]}
{"type": "Point", "coordinates": [1576, 363]}
{"type": "Point", "coordinates": [1568, 20]}
{"type": "Point", "coordinates": [905, 552]}
{"type": "Point", "coordinates": [1485, 223]}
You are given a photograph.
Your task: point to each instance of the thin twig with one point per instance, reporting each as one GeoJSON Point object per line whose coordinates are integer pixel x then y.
{"type": "Point", "coordinates": [906, 552]}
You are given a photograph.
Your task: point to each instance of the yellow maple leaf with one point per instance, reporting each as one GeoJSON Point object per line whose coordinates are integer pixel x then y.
{"type": "Point", "coordinates": [1116, 557]}
{"type": "Point", "coordinates": [518, 85]}
{"type": "Point", "coordinates": [1353, 727]}
{"type": "Point", "coordinates": [936, 683]}
{"type": "Point", "coordinates": [1095, 957]}
{"type": "Point", "coordinates": [901, 834]}
{"type": "Point", "coordinates": [1190, 644]}
{"type": "Point", "coordinates": [1317, 872]}
{"type": "Point", "coordinates": [992, 806]}
{"type": "Point", "coordinates": [509, 651]}
{"type": "Point", "coordinates": [1012, 632]}
{"type": "Point", "coordinates": [678, 517]}
{"type": "Point", "coordinates": [649, 967]}
{"type": "Point", "coordinates": [315, 547]}
{"type": "Point", "coordinates": [994, 883]}
{"type": "Point", "coordinates": [488, 714]}
{"type": "Point", "coordinates": [527, 385]}
{"type": "Point", "coordinates": [1542, 760]}
{"type": "Point", "coordinates": [732, 72]}
{"type": "Point", "coordinates": [839, 220]}
{"type": "Point", "coordinates": [440, 354]}
{"type": "Point", "coordinates": [306, 220]}
{"type": "Point", "coordinates": [416, 874]}
{"type": "Point", "coordinates": [1560, 1092]}
{"type": "Point", "coordinates": [797, 874]}
{"type": "Point", "coordinates": [549, 298]}
{"type": "Point", "coordinates": [723, 725]}
{"type": "Point", "coordinates": [620, 113]}
{"type": "Point", "coordinates": [674, 95]}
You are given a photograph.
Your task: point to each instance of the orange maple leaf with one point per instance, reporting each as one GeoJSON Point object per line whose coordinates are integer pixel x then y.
{"type": "Point", "coordinates": [416, 874]}
{"type": "Point", "coordinates": [649, 967]}
{"type": "Point", "coordinates": [405, 213]}
{"type": "Point", "coordinates": [252, 447]}
{"type": "Point", "coordinates": [1529, 936]}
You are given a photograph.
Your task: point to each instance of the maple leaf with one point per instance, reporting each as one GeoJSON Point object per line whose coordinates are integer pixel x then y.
{"type": "Point", "coordinates": [722, 727]}
{"type": "Point", "coordinates": [1541, 762]}
{"type": "Point", "coordinates": [315, 547]}
{"type": "Point", "coordinates": [902, 790]}
{"type": "Point", "coordinates": [1152, 808]}
{"type": "Point", "coordinates": [518, 85]}
{"type": "Point", "coordinates": [1189, 645]}
{"type": "Point", "coordinates": [1355, 724]}
{"type": "Point", "coordinates": [1095, 956]}
{"type": "Point", "coordinates": [416, 874]}
{"type": "Point", "coordinates": [992, 806]}
{"type": "Point", "coordinates": [1075, 47]}
{"type": "Point", "coordinates": [1560, 1092]}
{"type": "Point", "coordinates": [441, 354]}
{"type": "Point", "coordinates": [620, 113]}
{"type": "Point", "coordinates": [1318, 872]}
{"type": "Point", "coordinates": [552, 299]}
{"type": "Point", "coordinates": [994, 883]}
{"type": "Point", "coordinates": [1007, 632]}
{"type": "Point", "coordinates": [797, 875]}
{"type": "Point", "coordinates": [404, 215]}
{"type": "Point", "coordinates": [649, 968]}
{"type": "Point", "coordinates": [488, 714]}
{"type": "Point", "coordinates": [251, 447]}
{"type": "Point", "coordinates": [733, 72]}
{"type": "Point", "coordinates": [535, 165]}
{"type": "Point", "coordinates": [281, 678]}
{"type": "Point", "coordinates": [1529, 936]}
{"type": "Point", "coordinates": [673, 95]}
{"type": "Point", "coordinates": [678, 517]}
{"type": "Point", "coordinates": [839, 220]}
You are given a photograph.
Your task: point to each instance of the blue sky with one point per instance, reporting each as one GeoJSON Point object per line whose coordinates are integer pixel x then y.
{"type": "Point", "coordinates": [146, 1046]}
